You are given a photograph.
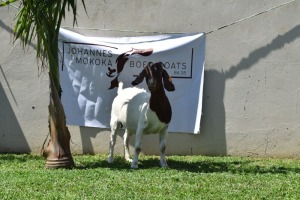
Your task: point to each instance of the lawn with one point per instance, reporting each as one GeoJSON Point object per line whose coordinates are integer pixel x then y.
{"type": "Point", "coordinates": [188, 177]}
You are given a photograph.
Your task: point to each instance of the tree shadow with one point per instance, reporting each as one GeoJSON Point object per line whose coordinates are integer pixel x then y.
{"type": "Point", "coordinates": [12, 139]}
{"type": "Point", "coordinates": [10, 30]}
{"type": "Point", "coordinates": [5, 27]}
{"type": "Point", "coordinates": [213, 130]}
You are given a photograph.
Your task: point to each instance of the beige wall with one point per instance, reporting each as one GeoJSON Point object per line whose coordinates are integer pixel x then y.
{"type": "Point", "coordinates": [251, 102]}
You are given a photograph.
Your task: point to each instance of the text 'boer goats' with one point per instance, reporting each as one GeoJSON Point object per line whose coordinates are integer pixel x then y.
{"type": "Point", "coordinates": [142, 113]}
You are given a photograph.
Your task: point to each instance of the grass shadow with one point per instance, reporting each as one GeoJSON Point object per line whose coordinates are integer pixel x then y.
{"type": "Point", "coordinates": [234, 167]}
{"type": "Point", "coordinates": [192, 164]}
{"type": "Point", "coordinates": [119, 164]}
{"type": "Point", "coordinates": [7, 157]}
{"type": "Point", "coordinates": [219, 165]}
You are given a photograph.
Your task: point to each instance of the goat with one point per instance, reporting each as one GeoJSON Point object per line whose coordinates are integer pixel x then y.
{"type": "Point", "coordinates": [142, 113]}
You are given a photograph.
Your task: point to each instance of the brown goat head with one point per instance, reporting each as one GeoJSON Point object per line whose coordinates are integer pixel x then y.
{"type": "Point", "coordinates": [154, 74]}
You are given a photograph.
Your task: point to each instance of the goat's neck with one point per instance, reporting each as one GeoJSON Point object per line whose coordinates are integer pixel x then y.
{"type": "Point", "coordinates": [159, 103]}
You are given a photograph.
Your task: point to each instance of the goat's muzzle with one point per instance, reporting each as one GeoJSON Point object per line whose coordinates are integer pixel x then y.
{"type": "Point", "coordinates": [151, 84]}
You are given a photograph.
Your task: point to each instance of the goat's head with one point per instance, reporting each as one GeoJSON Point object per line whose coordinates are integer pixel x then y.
{"type": "Point", "coordinates": [154, 73]}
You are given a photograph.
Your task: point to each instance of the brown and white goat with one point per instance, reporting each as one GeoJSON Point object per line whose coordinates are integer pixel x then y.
{"type": "Point", "coordinates": [142, 113]}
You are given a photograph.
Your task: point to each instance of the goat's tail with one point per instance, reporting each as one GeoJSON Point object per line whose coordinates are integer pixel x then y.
{"type": "Point", "coordinates": [120, 88]}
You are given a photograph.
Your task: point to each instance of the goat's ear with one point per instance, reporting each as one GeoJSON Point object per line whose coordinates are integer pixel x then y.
{"type": "Point", "coordinates": [168, 81]}
{"type": "Point", "coordinates": [139, 78]}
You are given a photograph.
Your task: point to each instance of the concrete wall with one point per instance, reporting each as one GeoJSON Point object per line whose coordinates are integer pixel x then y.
{"type": "Point", "coordinates": [251, 96]}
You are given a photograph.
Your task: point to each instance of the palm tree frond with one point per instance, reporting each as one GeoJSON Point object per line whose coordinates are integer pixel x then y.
{"type": "Point", "coordinates": [5, 3]}
{"type": "Point", "coordinates": [41, 20]}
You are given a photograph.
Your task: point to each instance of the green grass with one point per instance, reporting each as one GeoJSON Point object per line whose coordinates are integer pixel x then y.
{"type": "Point", "coordinates": [188, 177]}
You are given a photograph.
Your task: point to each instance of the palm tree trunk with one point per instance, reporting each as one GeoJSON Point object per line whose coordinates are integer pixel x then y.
{"type": "Point", "coordinates": [58, 151]}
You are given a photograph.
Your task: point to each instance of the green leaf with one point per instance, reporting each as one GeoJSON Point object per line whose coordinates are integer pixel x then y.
{"type": "Point", "coordinates": [5, 3]}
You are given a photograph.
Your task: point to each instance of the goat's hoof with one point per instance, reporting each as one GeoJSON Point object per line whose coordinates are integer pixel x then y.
{"type": "Point", "coordinates": [110, 160]}
{"type": "Point", "coordinates": [134, 165]}
{"type": "Point", "coordinates": [164, 165]}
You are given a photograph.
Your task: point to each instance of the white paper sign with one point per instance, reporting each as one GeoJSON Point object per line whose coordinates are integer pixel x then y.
{"type": "Point", "coordinates": [91, 67]}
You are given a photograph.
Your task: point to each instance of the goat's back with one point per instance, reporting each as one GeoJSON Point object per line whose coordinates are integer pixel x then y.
{"type": "Point", "coordinates": [128, 106]}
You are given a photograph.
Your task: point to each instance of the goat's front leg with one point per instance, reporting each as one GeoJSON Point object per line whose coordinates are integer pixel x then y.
{"type": "Point", "coordinates": [126, 146]}
{"type": "Point", "coordinates": [137, 149]}
{"type": "Point", "coordinates": [162, 146]}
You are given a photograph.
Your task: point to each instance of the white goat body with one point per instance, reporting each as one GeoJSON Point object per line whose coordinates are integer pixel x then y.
{"type": "Point", "coordinates": [131, 109]}
{"type": "Point", "coordinates": [141, 113]}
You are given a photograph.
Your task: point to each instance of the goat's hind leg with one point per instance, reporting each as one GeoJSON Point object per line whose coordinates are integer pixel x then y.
{"type": "Point", "coordinates": [126, 146]}
{"type": "Point", "coordinates": [113, 135]}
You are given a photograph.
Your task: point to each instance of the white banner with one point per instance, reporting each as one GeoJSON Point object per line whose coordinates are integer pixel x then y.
{"type": "Point", "coordinates": [91, 67]}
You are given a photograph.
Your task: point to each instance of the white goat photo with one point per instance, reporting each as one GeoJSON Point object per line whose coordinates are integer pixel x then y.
{"type": "Point", "coordinates": [140, 112]}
